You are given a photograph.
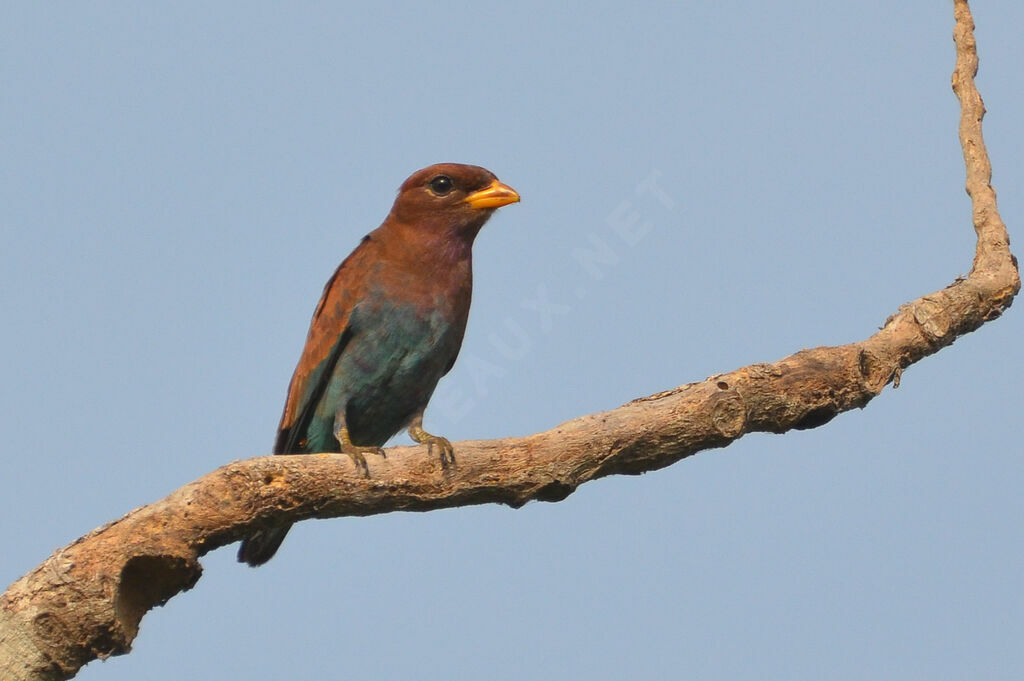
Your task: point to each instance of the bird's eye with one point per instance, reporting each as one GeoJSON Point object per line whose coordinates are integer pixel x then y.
{"type": "Point", "coordinates": [441, 185]}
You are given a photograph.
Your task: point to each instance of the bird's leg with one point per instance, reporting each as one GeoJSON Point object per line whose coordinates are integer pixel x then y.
{"type": "Point", "coordinates": [421, 436]}
{"type": "Point", "coordinates": [355, 452]}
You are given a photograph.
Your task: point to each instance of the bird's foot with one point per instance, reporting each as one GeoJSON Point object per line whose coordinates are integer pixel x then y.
{"type": "Point", "coordinates": [356, 452]}
{"type": "Point", "coordinates": [358, 455]}
{"type": "Point", "coordinates": [442, 443]}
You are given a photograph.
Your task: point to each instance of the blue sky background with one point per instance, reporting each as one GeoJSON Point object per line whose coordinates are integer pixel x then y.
{"type": "Point", "coordinates": [179, 180]}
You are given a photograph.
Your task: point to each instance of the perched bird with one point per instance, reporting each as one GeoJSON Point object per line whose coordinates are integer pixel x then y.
{"type": "Point", "coordinates": [388, 326]}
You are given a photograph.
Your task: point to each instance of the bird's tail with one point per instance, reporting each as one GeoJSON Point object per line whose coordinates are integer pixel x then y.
{"type": "Point", "coordinates": [261, 547]}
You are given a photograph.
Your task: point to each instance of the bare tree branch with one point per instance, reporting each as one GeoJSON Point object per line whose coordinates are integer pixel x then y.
{"type": "Point", "coordinates": [87, 599]}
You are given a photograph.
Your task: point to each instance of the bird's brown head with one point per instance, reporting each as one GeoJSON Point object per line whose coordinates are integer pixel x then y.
{"type": "Point", "coordinates": [451, 198]}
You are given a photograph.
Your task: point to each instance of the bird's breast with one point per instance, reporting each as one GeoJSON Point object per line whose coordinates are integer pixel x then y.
{"type": "Point", "coordinates": [398, 352]}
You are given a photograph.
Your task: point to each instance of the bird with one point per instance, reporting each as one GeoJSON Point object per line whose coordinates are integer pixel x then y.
{"type": "Point", "coordinates": [388, 326]}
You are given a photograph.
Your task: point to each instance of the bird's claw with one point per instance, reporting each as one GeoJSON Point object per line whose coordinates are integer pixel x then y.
{"type": "Point", "coordinates": [421, 436]}
{"type": "Point", "coordinates": [443, 444]}
{"type": "Point", "coordinates": [358, 455]}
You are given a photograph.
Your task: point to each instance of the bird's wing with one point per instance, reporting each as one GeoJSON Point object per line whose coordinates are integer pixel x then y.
{"type": "Point", "coordinates": [329, 333]}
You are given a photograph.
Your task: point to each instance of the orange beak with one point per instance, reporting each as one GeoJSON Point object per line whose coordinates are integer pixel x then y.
{"type": "Point", "coordinates": [493, 195]}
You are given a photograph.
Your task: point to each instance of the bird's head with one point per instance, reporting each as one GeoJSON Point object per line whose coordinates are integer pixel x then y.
{"type": "Point", "coordinates": [451, 199]}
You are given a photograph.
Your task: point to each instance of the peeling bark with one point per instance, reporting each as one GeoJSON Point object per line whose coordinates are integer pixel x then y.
{"type": "Point", "coordinates": [86, 600]}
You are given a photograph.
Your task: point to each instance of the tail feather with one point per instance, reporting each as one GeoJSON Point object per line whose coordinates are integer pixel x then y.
{"type": "Point", "coordinates": [261, 546]}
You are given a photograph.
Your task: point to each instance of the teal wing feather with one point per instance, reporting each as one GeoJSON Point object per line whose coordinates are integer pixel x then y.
{"type": "Point", "coordinates": [329, 334]}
